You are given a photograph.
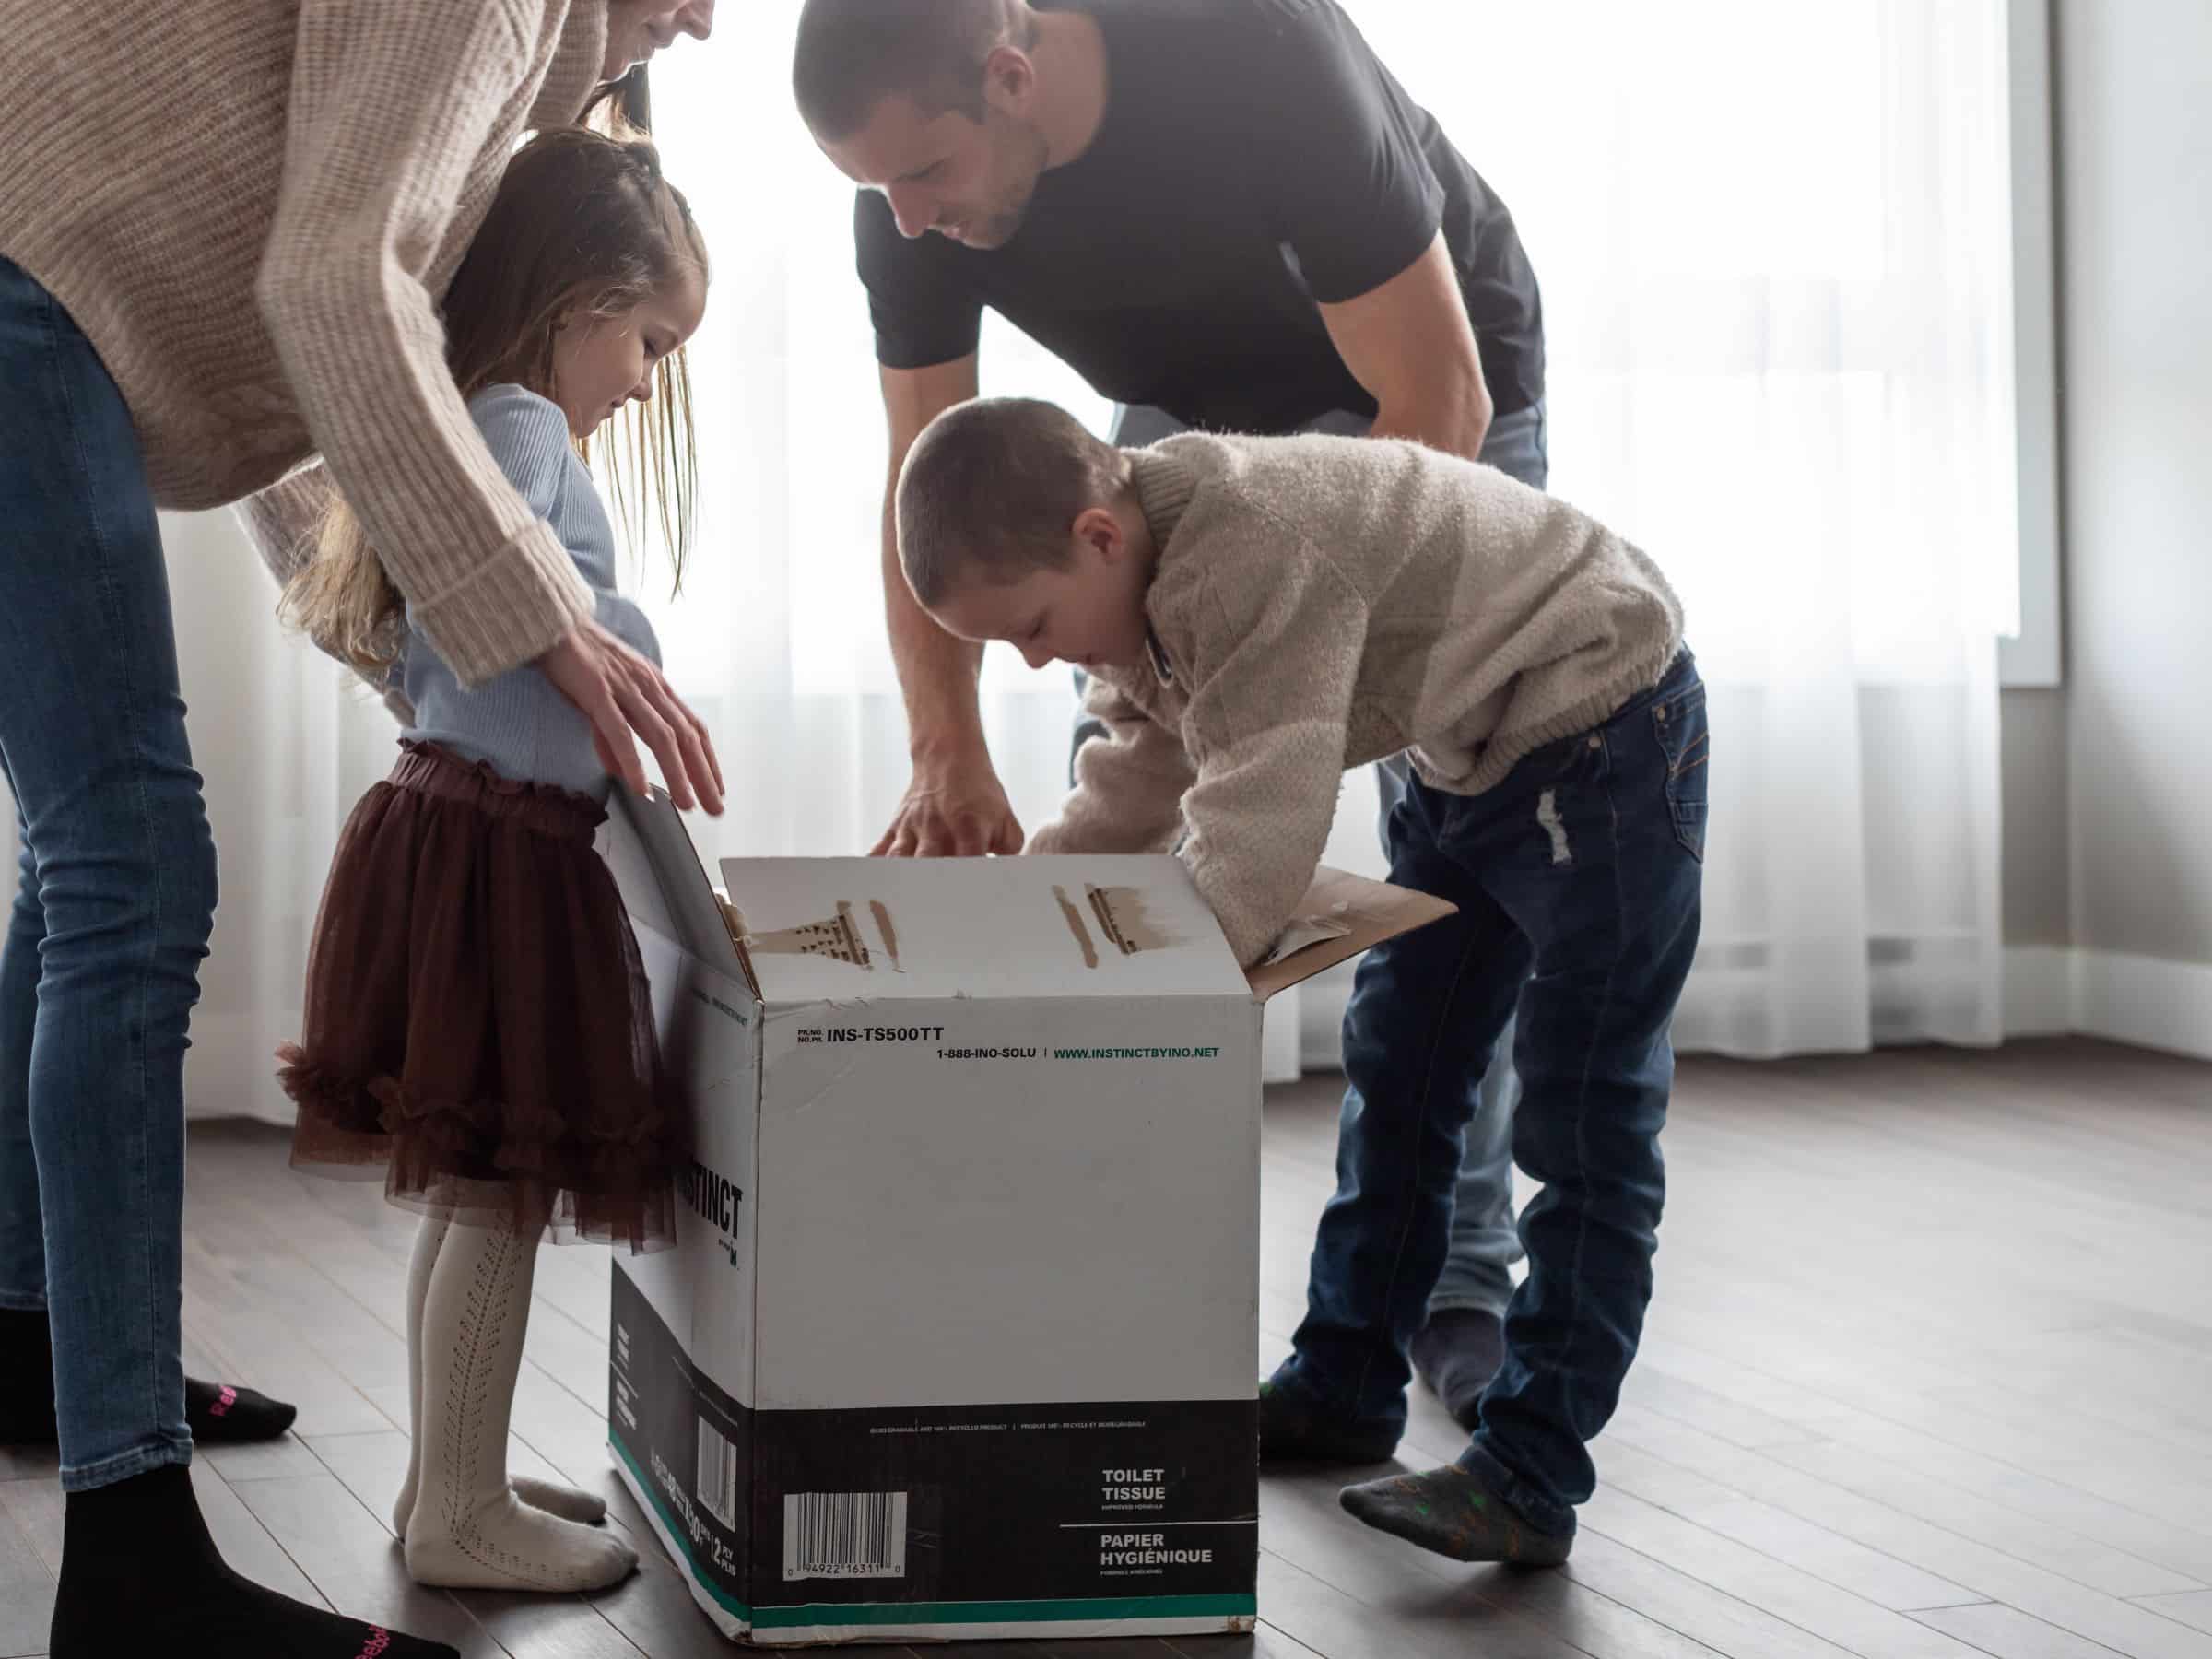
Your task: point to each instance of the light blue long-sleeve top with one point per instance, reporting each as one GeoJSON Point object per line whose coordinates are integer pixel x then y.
{"type": "Point", "coordinates": [518, 723]}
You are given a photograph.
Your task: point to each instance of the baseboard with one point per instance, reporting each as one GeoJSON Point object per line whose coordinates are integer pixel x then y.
{"type": "Point", "coordinates": [2145, 1001]}
{"type": "Point", "coordinates": [2050, 991]}
{"type": "Point", "coordinates": [2038, 993]}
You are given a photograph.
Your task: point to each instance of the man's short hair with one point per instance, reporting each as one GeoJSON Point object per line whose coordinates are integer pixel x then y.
{"type": "Point", "coordinates": [851, 54]}
{"type": "Point", "coordinates": [991, 489]}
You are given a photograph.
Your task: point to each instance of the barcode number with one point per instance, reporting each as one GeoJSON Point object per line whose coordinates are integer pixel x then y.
{"type": "Point", "coordinates": [844, 1535]}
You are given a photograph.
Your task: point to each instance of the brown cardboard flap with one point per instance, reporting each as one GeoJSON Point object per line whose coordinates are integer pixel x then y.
{"type": "Point", "coordinates": [1371, 911]}
{"type": "Point", "coordinates": [734, 921]}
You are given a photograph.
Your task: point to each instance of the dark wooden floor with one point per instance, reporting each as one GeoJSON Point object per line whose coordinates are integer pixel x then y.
{"type": "Point", "coordinates": [1929, 1376]}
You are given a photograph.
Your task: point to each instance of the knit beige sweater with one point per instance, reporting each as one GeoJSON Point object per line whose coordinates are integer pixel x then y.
{"type": "Point", "coordinates": [252, 208]}
{"type": "Point", "coordinates": [1321, 603]}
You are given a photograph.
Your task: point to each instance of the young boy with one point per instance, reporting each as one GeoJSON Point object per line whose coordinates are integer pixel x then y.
{"type": "Point", "coordinates": [1259, 614]}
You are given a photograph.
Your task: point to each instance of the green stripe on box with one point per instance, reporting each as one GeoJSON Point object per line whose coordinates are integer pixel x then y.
{"type": "Point", "coordinates": [887, 1613]}
{"type": "Point", "coordinates": [1007, 1612]}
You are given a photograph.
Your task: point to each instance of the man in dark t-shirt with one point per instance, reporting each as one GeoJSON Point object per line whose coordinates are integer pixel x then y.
{"type": "Point", "coordinates": [1255, 163]}
{"type": "Point", "coordinates": [1224, 214]}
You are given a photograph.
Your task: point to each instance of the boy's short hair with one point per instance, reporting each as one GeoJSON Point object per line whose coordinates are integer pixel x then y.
{"type": "Point", "coordinates": [851, 54]}
{"type": "Point", "coordinates": [992, 490]}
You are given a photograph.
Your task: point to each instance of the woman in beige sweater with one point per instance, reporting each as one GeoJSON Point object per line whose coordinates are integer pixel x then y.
{"type": "Point", "coordinates": [225, 229]}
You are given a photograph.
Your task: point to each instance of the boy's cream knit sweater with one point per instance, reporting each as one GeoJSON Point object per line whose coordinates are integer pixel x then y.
{"type": "Point", "coordinates": [1321, 603]}
{"type": "Point", "coordinates": [252, 208]}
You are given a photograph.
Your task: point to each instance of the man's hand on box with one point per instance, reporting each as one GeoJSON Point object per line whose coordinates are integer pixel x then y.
{"type": "Point", "coordinates": [953, 808]}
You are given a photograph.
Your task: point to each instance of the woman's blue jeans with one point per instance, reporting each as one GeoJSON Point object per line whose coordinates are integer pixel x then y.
{"type": "Point", "coordinates": [116, 898]}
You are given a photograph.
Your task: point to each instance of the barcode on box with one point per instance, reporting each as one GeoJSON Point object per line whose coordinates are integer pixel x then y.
{"type": "Point", "coordinates": [717, 1484]}
{"type": "Point", "coordinates": [844, 1535]}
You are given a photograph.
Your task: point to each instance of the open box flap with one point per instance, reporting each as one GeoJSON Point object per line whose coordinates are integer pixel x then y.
{"type": "Point", "coordinates": [662, 883]}
{"type": "Point", "coordinates": [1341, 915]}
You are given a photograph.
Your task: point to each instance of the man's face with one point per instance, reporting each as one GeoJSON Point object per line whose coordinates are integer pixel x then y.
{"type": "Point", "coordinates": [966, 180]}
{"type": "Point", "coordinates": [1091, 613]}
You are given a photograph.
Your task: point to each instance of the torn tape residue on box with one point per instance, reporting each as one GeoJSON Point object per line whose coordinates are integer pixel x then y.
{"type": "Point", "coordinates": [837, 937]}
{"type": "Point", "coordinates": [1075, 925]}
{"type": "Point", "coordinates": [889, 934]}
{"type": "Point", "coordinates": [1122, 914]}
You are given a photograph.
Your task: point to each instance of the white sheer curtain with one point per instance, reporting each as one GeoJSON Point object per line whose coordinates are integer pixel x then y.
{"type": "Point", "coordinates": [1774, 243]}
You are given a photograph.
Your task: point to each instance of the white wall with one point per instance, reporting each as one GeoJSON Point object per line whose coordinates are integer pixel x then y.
{"type": "Point", "coordinates": [2134, 92]}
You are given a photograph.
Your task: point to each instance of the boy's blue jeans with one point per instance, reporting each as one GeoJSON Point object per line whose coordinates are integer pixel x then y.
{"type": "Point", "coordinates": [115, 901]}
{"type": "Point", "coordinates": [1578, 881]}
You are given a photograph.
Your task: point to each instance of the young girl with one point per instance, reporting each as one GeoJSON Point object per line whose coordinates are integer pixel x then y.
{"type": "Point", "coordinates": [477, 1021]}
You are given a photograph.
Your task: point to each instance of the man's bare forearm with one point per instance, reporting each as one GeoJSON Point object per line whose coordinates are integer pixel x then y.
{"type": "Point", "coordinates": [1453, 416]}
{"type": "Point", "coordinates": [937, 672]}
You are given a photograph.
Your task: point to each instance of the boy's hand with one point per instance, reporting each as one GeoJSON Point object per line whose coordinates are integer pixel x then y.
{"type": "Point", "coordinates": [621, 691]}
{"type": "Point", "coordinates": [953, 808]}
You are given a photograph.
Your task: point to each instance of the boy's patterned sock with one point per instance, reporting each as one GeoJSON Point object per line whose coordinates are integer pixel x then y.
{"type": "Point", "coordinates": [1456, 1354]}
{"type": "Point", "coordinates": [1293, 1430]}
{"type": "Point", "coordinates": [1455, 1513]}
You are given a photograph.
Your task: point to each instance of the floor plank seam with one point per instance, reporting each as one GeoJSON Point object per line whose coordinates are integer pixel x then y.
{"type": "Point", "coordinates": [1997, 1502]}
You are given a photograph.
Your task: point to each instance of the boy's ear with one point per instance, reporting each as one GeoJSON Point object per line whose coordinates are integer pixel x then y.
{"type": "Point", "coordinates": [1098, 527]}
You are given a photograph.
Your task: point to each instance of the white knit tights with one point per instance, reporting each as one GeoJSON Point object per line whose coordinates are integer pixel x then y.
{"type": "Point", "coordinates": [463, 1522]}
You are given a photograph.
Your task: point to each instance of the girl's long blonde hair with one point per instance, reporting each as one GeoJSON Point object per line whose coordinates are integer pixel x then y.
{"type": "Point", "coordinates": [583, 224]}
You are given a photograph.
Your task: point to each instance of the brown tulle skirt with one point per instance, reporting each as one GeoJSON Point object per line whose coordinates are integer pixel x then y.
{"type": "Point", "coordinates": [479, 1027]}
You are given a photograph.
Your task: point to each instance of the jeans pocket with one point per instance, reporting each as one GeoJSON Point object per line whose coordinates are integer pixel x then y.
{"type": "Point", "coordinates": [1679, 720]}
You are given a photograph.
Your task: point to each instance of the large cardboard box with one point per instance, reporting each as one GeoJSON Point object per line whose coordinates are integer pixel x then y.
{"type": "Point", "coordinates": [961, 1337]}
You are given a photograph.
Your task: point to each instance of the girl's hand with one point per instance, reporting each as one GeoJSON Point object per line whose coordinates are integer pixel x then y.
{"type": "Point", "coordinates": [620, 692]}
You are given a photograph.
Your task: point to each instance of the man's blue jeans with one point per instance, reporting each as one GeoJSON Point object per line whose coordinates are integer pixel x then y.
{"type": "Point", "coordinates": [99, 971]}
{"type": "Point", "coordinates": [1477, 1272]}
{"type": "Point", "coordinates": [1578, 880]}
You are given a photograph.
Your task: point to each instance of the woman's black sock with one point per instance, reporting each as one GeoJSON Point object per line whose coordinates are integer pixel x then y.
{"type": "Point", "coordinates": [219, 1413]}
{"type": "Point", "coordinates": [140, 1575]}
{"type": "Point", "coordinates": [26, 1377]}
